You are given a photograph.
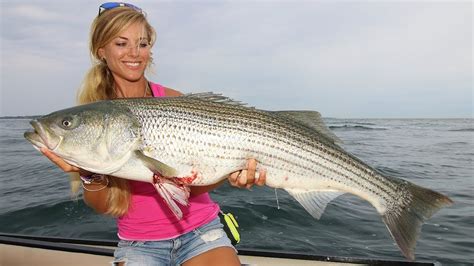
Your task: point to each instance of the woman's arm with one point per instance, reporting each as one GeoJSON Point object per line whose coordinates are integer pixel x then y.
{"type": "Point", "coordinates": [95, 194]}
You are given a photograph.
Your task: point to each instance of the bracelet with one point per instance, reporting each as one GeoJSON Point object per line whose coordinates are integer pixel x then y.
{"type": "Point", "coordinates": [98, 189]}
{"type": "Point", "coordinates": [91, 178]}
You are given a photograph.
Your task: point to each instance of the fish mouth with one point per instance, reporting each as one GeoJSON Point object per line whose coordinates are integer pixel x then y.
{"type": "Point", "coordinates": [40, 137]}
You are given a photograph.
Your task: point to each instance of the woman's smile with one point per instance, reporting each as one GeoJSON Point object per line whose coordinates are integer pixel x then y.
{"type": "Point", "coordinates": [133, 65]}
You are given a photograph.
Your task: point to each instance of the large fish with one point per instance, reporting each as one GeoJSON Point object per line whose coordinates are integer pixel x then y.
{"type": "Point", "coordinates": [198, 139]}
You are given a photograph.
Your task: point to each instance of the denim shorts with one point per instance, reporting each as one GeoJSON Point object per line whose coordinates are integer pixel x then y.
{"type": "Point", "coordinates": [173, 251]}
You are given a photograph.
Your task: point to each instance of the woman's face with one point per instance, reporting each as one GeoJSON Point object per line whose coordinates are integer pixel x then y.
{"type": "Point", "coordinates": [127, 55]}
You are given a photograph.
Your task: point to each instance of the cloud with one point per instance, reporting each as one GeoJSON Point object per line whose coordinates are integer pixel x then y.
{"type": "Point", "coordinates": [33, 12]}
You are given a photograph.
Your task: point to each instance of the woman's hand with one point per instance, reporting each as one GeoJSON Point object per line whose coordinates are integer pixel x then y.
{"type": "Point", "coordinates": [241, 179]}
{"type": "Point", "coordinates": [246, 178]}
{"type": "Point", "coordinates": [63, 164]}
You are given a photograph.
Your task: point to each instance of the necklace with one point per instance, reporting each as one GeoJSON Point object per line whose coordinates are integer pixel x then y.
{"type": "Point", "coordinates": [147, 88]}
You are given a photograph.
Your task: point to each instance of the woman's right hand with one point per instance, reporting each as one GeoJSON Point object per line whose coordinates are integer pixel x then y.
{"type": "Point", "coordinates": [61, 163]}
{"type": "Point", "coordinates": [246, 177]}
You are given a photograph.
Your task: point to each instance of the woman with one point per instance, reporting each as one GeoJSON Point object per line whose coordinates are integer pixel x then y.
{"type": "Point", "coordinates": [120, 43]}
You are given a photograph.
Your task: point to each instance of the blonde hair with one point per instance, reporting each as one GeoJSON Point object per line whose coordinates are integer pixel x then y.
{"type": "Point", "coordinates": [98, 84]}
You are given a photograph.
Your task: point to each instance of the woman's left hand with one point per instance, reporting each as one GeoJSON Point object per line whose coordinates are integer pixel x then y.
{"type": "Point", "coordinates": [246, 177]}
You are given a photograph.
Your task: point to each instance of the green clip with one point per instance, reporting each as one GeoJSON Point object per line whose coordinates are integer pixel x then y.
{"type": "Point", "coordinates": [232, 225]}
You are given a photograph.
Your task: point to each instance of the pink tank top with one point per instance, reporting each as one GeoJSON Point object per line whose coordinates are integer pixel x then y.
{"type": "Point", "coordinates": [149, 218]}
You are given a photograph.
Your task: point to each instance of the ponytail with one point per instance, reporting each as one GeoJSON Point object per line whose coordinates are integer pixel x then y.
{"type": "Point", "coordinates": [97, 85]}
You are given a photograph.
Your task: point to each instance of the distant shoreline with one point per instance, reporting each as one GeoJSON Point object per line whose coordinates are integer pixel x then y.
{"type": "Point", "coordinates": [339, 118]}
{"type": "Point", "coordinates": [20, 117]}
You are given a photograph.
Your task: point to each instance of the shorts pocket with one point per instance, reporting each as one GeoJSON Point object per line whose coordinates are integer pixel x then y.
{"type": "Point", "coordinates": [127, 243]}
{"type": "Point", "coordinates": [211, 231]}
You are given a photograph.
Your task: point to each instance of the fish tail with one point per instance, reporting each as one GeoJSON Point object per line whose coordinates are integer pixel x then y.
{"type": "Point", "coordinates": [404, 221]}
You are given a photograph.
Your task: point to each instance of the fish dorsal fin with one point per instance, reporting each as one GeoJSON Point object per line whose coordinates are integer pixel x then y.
{"type": "Point", "coordinates": [311, 119]}
{"type": "Point", "coordinates": [214, 97]}
{"type": "Point", "coordinates": [314, 201]}
{"type": "Point", "coordinates": [154, 165]}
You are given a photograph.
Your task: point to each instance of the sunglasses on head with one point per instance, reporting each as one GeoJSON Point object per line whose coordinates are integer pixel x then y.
{"type": "Point", "coordinates": [111, 5]}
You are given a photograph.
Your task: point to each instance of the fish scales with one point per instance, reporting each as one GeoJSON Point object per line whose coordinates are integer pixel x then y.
{"type": "Point", "coordinates": [223, 118]}
{"type": "Point", "coordinates": [233, 113]}
{"type": "Point", "coordinates": [202, 138]}
{"type": "Point", "coordinates": [328, 172]}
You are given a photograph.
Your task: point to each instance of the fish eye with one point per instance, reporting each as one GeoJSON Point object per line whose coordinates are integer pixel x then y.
{"type": "Point", "coordinates": [67, 122]}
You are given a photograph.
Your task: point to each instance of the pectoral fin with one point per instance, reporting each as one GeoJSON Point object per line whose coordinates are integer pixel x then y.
{"type": "Point", "coordinates": [156, 166]}
{"type": "Point", "coordinates": [172, 193]}
{"type": "Point", "coordinates": [314, 201]}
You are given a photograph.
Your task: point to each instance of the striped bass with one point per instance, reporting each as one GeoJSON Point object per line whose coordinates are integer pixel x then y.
{"type": "Point", "coordinates": [199, 139]}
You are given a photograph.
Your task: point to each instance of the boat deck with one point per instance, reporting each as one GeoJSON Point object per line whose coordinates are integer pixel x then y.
{"type": "Point", "coordinates": [18, 250]}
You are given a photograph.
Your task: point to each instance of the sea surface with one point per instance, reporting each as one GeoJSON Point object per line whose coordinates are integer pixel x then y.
{"type": "Point", "coordinates": [434, 153]}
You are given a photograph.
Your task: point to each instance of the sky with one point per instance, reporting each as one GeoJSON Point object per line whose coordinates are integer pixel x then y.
{"type": "Point", "coordinates": [345, 59]}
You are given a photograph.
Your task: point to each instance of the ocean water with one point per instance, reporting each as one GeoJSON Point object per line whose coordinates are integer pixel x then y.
{"type": "Point", "coordinates": [434, 153]}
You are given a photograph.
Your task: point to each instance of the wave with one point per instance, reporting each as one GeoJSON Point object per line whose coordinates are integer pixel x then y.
{"type": "Point", "coordinates": [65, 218]}
{"type": "Point", "coordinates": [462, 130]}
{"type": "Point", "coordinates": [451, 143]}
{"type": "Point", "coordinates": [37, 208]}
{"type": "Point", "coordinates": [352, 122]}
{"type": "Point", "coordinates": [356, 127]}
